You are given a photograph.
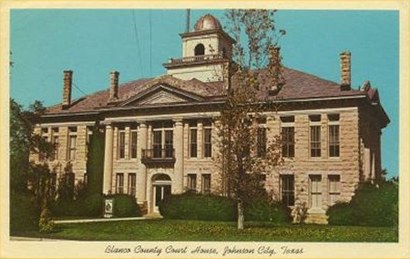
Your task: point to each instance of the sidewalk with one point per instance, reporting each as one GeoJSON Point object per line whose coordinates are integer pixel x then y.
{"type": "Point", "coordinates": [68, 221]}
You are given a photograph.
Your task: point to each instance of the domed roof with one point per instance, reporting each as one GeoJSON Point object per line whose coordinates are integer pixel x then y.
{"type": "Point", "coordinates": [207, 22]}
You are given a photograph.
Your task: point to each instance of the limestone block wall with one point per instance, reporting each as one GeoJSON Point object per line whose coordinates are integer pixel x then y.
{"type": "Point", "coordinates": [302, 165]}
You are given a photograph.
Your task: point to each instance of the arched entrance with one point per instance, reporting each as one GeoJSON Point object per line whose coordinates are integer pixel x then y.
{"type": "Point", "coordinates": [161, 188]}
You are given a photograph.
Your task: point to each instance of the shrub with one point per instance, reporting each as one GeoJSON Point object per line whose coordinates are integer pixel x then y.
{"type": "Point", "coordinates": [89, 206]}
{"type": "Point", "coordinates": [262, 210]}
{"type": "Point", "coordinates": [340, 214]}
{"type": "Point", "coordinates": [24, 214]}
{"type": "Point", "coordinates": [125, 206]}
{"type": "Point", "coordinates": [198, 207]}
{"type": "Point", "coordinates": [370, 206]}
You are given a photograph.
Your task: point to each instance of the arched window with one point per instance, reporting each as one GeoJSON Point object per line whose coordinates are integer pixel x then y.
{"type": "Point", "coordinates": [199, 50]}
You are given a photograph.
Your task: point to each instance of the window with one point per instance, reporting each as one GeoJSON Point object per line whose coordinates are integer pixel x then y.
{"type": "Point", "coordinates": [315, 191]}
{"type": "Point", "coordinates": [72, 147]}
{"type": "Point", "coordinates": [157, 144]}
{"type": "Point", "coordinates": [315, 141]}
{"type": "Point", "coordinates": [121, 144]}
{"type": "Point", "coordinates": [288, 142]}
{"type": "Point", "coordinates": [169, 145]}
{"type": "Point", "coordinates": [119, 183]}
{"type": "Point", "coordinates": [334, 188]}
{"type": "Point", "coordinates": [334, 135]}
{"type": "Point", "coordinates": [162, 143]}
{"type": "Point", "coordinates": [132, 184]}
{"type": "Point", "coordinates": [288, 189]}
{"type": "Point", "coordinates": [192, 182]}
{"type": "Point", "coordinates": [206, 183]}
{"type": "Point", "coordinates": [199, 50]}
{"type": "Point", "coordinates": [261, 142]}
{"type": "Point", "coordinates": [134, 139]}
{"type": "Point", "coordinates": [193, 146]}
{"type": "Point", "coordinates": [207, 141]}
{"type": "Point", "coordinates": [54, 155]}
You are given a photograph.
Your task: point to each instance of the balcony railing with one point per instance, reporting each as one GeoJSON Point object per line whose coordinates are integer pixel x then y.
{"type": "Point", "coordinates": [196, 58]}
{"type": "Point", "coordinates": [158, 156]}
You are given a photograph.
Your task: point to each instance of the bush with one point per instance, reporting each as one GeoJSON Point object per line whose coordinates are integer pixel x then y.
{"type": "Point", "coordinates": [24, 214]}
{"type": "Point", "coordinates": [340, 214]}
{"type": "Point", "coordinates": [198, 207]}
{"type": "Point", "coordinates": [261, 210]}
{"type": "Point", "coordinates": [89, 206]}
{"type": "Point", "coordinates": [125, 206]}
{"type": "Point", "coordinates": [370, 206]}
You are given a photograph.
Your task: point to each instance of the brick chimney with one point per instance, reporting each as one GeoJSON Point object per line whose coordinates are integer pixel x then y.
{"type": "Point", "coordinates": [68, 79]}
{"type": "Point", "coordinates": [345, 71]}
{"type": "Point", "coordinates": [113, 86]}
{"type": "Point", "coordinates": [275, 69]}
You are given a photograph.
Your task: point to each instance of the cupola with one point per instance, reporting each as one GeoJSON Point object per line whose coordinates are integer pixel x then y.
{"type": "Point", "coordinates": [205, 51]}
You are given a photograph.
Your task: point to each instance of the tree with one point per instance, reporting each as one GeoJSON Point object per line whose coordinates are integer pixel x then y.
{"type": "Point", "coordinates": [24, 174]}
{"type": "Point", "coordinates": [242, 155]}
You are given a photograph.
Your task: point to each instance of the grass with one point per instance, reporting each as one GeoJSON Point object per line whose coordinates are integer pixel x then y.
{"type": "Point", "coordinates": [184, 230]}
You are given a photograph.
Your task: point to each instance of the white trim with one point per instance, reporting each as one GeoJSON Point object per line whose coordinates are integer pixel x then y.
{"type": "Point", "coordinates": [66, 124]}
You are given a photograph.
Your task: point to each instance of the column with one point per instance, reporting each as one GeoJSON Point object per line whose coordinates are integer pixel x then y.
{"type": "Point", "coordinates": [127, 143]}
{"type": "Point", "coordinates": [142, 174]}
{"type": "Point", "coordinates": [178, 182]}
{"type": "Point", "coordinates": [200, 141]}
{"type": "Point", "coordinates": [108, 159]}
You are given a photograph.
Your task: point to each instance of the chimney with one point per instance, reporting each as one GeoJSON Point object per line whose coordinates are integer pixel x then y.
{"type": "Point", "coordinates": [275, 69]}
{"type": "Point", "coordinates": [345, 71]}
{"type": "Point", "coordinates": [68, 79]}
{"type": "Point", "coordinates": [113, 86]}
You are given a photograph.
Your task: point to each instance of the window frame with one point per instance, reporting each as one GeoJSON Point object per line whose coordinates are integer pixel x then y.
{"type": "Point", "coordinates": [318, 192]}
{"type": "Point", "coordinates": [121, 144]}
{"type": "Point", "coordinates": [261, 140]}
{"type": "Point", "coordinates": [133, 144]}
{"type": "Point", "coordinates": [207, 145]}
{"type": "Point", "coordinates": [206, 183]}
{"type": "Point", "coordinates": [333, 195]}
{"type": "Point", "coordinates": [287, 192]}
{"type": "Point", "coordinates": [132, 184]}
{"type": "Point", "coordinates": [192, 182]}
{"type": "Point", "coordinates": [119, 183]}
{"type": "Point", "coordinates": [333, 135]}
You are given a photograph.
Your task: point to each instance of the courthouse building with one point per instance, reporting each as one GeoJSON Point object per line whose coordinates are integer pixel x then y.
{"type": "Point", "coordinates": [160, 134]}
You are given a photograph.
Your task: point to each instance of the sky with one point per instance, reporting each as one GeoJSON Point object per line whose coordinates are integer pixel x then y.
{"type": "Point", "coordinates": [136, 43]}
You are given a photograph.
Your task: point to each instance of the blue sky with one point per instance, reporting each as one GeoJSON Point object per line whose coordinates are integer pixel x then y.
{"type": "Point", "coordinates": [94, 42]}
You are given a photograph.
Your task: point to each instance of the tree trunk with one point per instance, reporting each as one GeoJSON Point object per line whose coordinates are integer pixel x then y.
{"type": "Point", "coordinates": [240, 214]}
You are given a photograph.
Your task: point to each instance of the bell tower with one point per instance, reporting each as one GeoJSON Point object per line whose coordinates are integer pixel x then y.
{"type": "Point", "coordinates": [205, 51]}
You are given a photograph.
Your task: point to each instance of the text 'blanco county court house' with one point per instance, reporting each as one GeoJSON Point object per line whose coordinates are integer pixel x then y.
{"type": "Point", "coordinates": [160, 134]}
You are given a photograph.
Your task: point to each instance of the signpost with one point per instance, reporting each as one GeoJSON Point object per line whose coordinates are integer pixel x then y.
{"type": "Point", "coordinates": [108, 208]}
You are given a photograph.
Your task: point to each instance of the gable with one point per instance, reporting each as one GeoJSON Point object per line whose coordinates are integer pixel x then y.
{"type": "Point", "coordinates": [161, 97]}
{"type": "Point", "coordinates": [162, 94]}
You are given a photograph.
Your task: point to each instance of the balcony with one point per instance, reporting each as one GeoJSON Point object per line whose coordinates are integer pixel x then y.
{"type": "Point", "coordinates": [158, 157]}
{"type": "Point", "coordinates": [176, 62]}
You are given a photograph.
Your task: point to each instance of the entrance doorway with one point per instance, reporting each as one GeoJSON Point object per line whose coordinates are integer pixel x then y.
{"type": "Point", "coordinates": [161, 188]}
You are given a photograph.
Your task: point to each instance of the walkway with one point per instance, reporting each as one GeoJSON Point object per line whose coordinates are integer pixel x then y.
{"type": "Point", "coordinates": [68, 221]}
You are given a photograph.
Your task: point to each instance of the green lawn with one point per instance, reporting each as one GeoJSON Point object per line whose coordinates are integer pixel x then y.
{"type": "Point", "coordinates": [183, 230]}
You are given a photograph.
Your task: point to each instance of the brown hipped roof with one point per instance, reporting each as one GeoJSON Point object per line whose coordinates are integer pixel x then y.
{"type": "Point", "coordinates": [298, 85]}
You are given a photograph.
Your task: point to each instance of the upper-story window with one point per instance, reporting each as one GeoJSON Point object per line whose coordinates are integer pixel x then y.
{"type": "Point", "coordinates": [288, 136]}
{"type": "Point", "coordinates": [55, 142]}
{"type": "Point", "coordinates": [261, 138]}
{"type": "Point", "coordinates": [334, 135]}
{"type": "Point", "coordinates": [199, 50]}
{"type": "Point", "coordinates": [72, 143]}
{"type": "Point", "coordinates": [121, 144]}
{"type": "Point", "coordinates": [133, 146]}
{"type": "Point", "coordinates": [162, 140]}
{"type": "Point", "coordinates": [207, 139]}
{"type": "Point", "coordinates": [193, 140]}
{"type": "Point", "coordinates": [315, 135]}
